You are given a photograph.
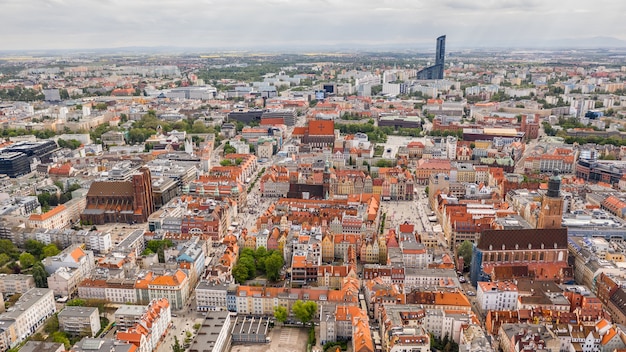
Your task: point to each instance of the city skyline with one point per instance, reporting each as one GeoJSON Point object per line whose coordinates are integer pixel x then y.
{"type": "Point", "coordinates": [301, 25]}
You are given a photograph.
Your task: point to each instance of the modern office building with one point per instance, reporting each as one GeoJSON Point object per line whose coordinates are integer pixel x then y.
{"type": "Point", "coordinates": [14, 164]}
{"type": "Point", "coordinates": [435, 71]}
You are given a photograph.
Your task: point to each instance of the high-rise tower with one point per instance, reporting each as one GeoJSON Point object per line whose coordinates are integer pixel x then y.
{"type": "Point", "coordinates": [440, 56]}
{"type": "Point", "coordinates": [436, 71]}
{"type": "Point", "coordinates": [551, 212]}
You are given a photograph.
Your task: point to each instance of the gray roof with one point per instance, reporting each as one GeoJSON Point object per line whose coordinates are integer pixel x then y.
{"type": "Point", "coordinates": [101, 345]}
{"type": "Point", "coordinates": [131, 310]}
{"type": "Point", "coordinates": [40, 346]}
{"type": "Point", "coordinates": [210, 330]}
{"type": "Point", "coordinates": [72, 311]}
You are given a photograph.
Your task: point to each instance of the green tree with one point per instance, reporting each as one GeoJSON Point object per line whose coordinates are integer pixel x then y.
{"type": "Point", "coordinates": [27, 260]}
{"type": "Point", "coordinates": [156, 245]}
{"type": "Point", "coordinates": [7, 247]}
{"type": "Point", "coordinates": [273, 265]}
{"type": "Point", "coordinates": [226, 162]}
{"type": "Point", "coordinates": [465, 250]}
{"type": "Point", "coordinates": [34, 247]}
{"type": "Point", "coordinates": [61, 337]}
{"type": "Point", "coordinates": [40, 275]}
{"type": "Point", "coordinates": [246, 252]}
{"type": "Point", "coordinates": [228, 149]}
{"type": "Point", "coordinates": [71, 144]}
{"type": "Point", "coordinates": [4, 258]}
{"type": "Point", "coordinates": [260, 252]}
{"type": "Point", "coordinates": [240, 273]}
{"type": "Point", "coordinates": [76, 302]}
{"type": "Point", "coordinates": [304, 310]}
{"type": "Point", "coordinates": [52, 324]}
{"type": "Point", "coordinates": [50, 250]}
{"type": "Point", "coordinates": [249, 263]}
{"type": "Point", "coordinates": [280, 314]}
{"type": "Point", "coordinates": [177, 347]}
{"type": "Point", "coordinates": [384, 163]}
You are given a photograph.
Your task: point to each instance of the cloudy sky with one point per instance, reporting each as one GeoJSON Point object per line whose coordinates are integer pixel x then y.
{"type": "Point", "coordinates": [255, 24]}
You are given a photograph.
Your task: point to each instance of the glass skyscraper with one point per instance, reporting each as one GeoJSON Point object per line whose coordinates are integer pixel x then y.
{"type": "Point", "coordinates": [436, 71]}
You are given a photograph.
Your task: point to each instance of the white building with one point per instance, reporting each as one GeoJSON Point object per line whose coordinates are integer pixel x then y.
{"type": "Point", "coordinates": [57, 218]}
{"type": "Point", "coordinates": [433, 278]}
{"type": "Point", "coordinates": [211, 296]}
{"type": "Point", "coordinates": [71, 257]}
{"type": "Point", "coordinates": [497, 296]}
{"type": "Point", "coordinates": [23, 319]}
{"type": "Point", "coordinates": [440, 323]}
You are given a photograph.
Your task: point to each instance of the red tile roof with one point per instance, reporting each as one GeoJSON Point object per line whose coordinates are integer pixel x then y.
{"type": "Point", "coordinates": [321, 128]}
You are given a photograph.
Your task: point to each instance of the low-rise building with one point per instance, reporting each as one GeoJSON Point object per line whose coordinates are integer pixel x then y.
{"type": "Point", "coordinates": [16, 283]}
{"type": "Point", "coordinates": [80, 320]}
{"type": "Point", "coordinates": [214, 334]}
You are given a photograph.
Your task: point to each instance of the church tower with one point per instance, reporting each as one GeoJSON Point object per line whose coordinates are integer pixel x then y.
{"type": "Point", "coordinates": [551, 212]}
{"type": "Point", "coordinates": [326, 181]}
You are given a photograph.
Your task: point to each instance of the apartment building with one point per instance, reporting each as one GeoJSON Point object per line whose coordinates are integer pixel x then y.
{"type": "Point", "coordinates": [80, 320]}
{"type": "Point", "coordinates": [26, 316]}
{"type": "Point", "coordinates": [16, 283]}
{"type": "Point", "coordinates": [65, 281]}
{"type": "Point", "coordinates": [211, 296]}
{"type": "Point", "coordinates": [114, 290]}
{"type": "Point", "coordinates": [126, 316]}
{"type": "Point", "coordinates": [496, 295]}
{"type": "Point", "coordinates": [151, 327]}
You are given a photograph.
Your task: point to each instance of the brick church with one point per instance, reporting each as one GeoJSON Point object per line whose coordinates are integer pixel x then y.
{"type": "Point", "coordinates": [120, 201]}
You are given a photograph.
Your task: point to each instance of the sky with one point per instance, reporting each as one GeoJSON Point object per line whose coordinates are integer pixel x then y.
{"type": "Point", "coordinates": [302, 24]}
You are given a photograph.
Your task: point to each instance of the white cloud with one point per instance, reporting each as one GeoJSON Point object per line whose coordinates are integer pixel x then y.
{"type": "Point", "coordinates": [60, 24]}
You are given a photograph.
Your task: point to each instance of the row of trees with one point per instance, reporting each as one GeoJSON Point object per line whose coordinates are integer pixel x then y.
{"type": "Point", "coordinates": [374, 134]}
{"type": "Point", "coordinates": [304, 311]}
{"type": "Point", "coordinates": [48, 200]}
{"type": "Point", "coordinates": [19, 93]}
{"type": "Point", "coordinates": [261, 261]}
{"type": "Point", "coordinates": [71, 143]}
